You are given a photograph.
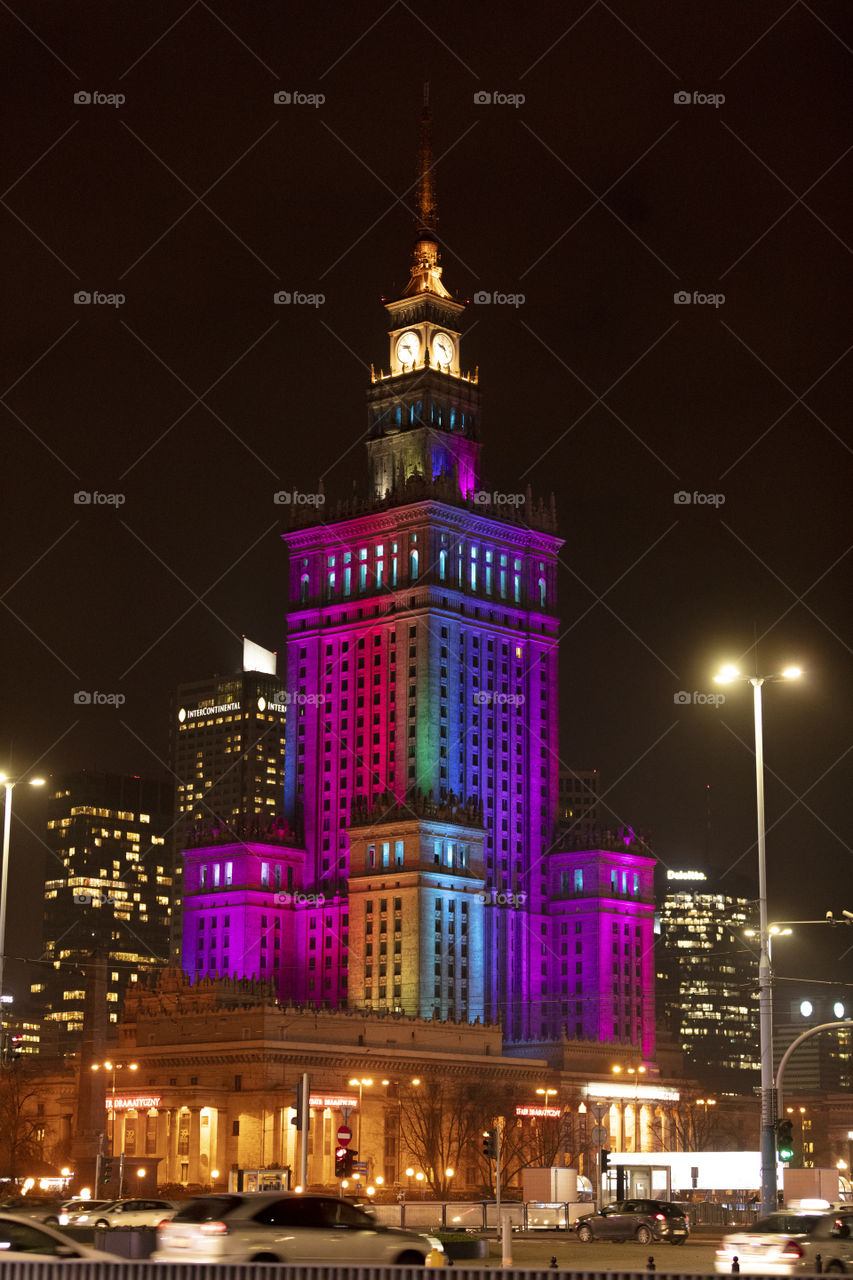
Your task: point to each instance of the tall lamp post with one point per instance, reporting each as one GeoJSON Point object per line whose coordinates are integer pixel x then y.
{"type": "Point", "coordinates": [728, 675]}
{"type": "Point", "coordinates": [9, 785]}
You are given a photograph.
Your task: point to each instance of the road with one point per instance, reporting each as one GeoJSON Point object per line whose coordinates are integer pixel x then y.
{"type": "Point", "coordinates": [696, 1257]}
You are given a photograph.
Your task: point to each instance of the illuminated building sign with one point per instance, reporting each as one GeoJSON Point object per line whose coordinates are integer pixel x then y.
{"type": "Point", "coordinates": [196, 713]}
{"type": "Point", "coordinates": [686, 875]}
{"type": "Point", "coordinates": [550, 1113]}
{"type": "Point", "coordinates": [334, 1100]}
{"type": "Point", "coordinates": [645, 1092]}
{"type": "Point", "coordinates": [141, 1103]}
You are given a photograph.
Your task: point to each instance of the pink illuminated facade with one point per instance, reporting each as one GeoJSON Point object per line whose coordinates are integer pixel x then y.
{"type": "Point", "coordinates": [421, 761]}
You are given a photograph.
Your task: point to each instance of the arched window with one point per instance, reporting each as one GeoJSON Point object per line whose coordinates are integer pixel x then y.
{"type": "Point", "coordinates": [303, 588]}
{"type": "Point", "coordinates": [442, 565]}
{"type": "Point", "coordinates": [541, 593]}
{"type": "Point", "coordinates": [413, 566]}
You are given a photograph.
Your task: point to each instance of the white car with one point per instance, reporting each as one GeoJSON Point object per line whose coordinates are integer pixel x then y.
{"type": "Point", "coordinates": [22, 1239]}
{"type": "Point", "coordinates": [772, 1246]}
{"type": "Point", "coordinates": [128, 1213]}
{"type": "Point", "coordinates": [276, 1226]}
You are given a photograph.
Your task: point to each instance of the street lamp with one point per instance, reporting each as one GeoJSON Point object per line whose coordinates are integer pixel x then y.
{"type": "Point", "coordinates": [636, 1072]}
{"type": "Point", "coordinates": [113, 1067]}
{"type": "Point", "coordinates": [9, 785]}
{"type": "Point", "coordinates": [727, 675]}
{"type": "Point", "coordinates": [361, 1082]}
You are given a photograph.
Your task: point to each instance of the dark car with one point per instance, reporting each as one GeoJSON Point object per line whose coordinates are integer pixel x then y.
{"type": "Point", "coordinates": [42, 1208]}
{"type": "Point", "coordinates": [640, 1220]}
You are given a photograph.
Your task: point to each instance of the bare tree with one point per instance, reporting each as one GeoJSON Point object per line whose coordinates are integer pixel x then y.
{"type": "Point", "coordinates": [438, 1124]}
{"type": "Point", "coordinates": [20, 1138]}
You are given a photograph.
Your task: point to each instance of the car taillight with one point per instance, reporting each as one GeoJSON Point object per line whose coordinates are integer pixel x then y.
{"type": "Point", "coordinates": [792, 1250]}
{"type": "Point", "coordinates": [213, 1229]}
{"type": "Point", "coordinates": [161, 1226]}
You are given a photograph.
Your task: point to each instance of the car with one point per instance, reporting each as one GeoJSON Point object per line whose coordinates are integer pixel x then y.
{"type": "Point", "coordinates": [832, 1238]}
{"type": "Point", "coordinates": [41, 1208]}
{"type": "Point", "coordinates": [74, 1208]}
{"type": "Point", "coordinates": [276, 1226]}
{"type": "Point", "coordinates": [128, 1213]}
{"type": "Point", "coordinates": [771, 1246]}
{"type": "Point", "coordinates": [640, 1220]}
{"type": "Point", "coordinates": [22, 1239]}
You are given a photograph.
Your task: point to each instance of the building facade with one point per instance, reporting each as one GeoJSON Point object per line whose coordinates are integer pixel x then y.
{"type": "Point", "coordinates": [107, 894]}
{"type": "Point", "coordinates": [707, 976]}
{"type": "Point", "coordinates": [227, 755]}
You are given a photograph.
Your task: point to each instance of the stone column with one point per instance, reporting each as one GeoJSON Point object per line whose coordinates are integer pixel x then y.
{"type": "Point", "coordinates": [161, 1147]}
{"type": "Point", "coordinates": [195, 1141]}
{"type": "Point", "coordinates": [173, 1173]}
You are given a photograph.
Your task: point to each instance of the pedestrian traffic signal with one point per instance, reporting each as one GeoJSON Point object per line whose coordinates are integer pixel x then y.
{"type": "Point", "coordinates": [340, 1162]}
{"type": "Point", "coordinates": [107, 1171]}
{"type": "Point", "coordinates": [605, 1160]}
{"type": "Point", "coordinates": [785, 1139]}
{"type": "Point", "coordinates": [490, 1144]}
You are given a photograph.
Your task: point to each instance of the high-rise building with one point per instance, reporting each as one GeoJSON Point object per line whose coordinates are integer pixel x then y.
{"type": "Point", "coordinates": [227, 755]}
{"type": "Point", "coordinates": [421, 766]}
{"type": "Point", "coordinates": [579, 799]}
{"type": "Point", "coordinates": [707, 975]}
{"type": "Point", "coordinates": [107, 892]}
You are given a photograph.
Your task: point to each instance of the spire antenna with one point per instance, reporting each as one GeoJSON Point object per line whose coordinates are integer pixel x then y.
{"type": "Point", "coordinates": [427, 204]}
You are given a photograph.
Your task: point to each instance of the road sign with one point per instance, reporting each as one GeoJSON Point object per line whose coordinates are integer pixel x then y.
{"type": "Point", "coordinates": [599, 1110]}
{"type": "Point", "coordinates": [344, 1136]}
{"type": "Point", "coordinates": [599, 1135]}
{"type": "Point", "coordinates": [360, 1166]}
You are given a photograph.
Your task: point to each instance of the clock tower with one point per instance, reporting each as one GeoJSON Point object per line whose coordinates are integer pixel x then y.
{"type": "Point", "coordinates": [423, 414]}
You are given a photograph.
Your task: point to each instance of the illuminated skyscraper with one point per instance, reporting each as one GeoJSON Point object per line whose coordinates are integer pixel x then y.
{"type": "Point", "coordinates": [421, 763]}
{"type": "Point", "coordinates": [107, 892]}
{"type": "Point", "coordinates": [707, 976]}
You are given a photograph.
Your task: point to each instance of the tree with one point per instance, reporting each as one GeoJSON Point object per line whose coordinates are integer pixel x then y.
{"type": "Point", "coordinates": [20, 1131]}
{"type": "Point", "coordinates": [438, 1125]}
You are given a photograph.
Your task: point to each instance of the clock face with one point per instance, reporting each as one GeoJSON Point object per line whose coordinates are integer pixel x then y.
{"type": "Point", "coordinates": [408, 346]}
{"type": "Point", "coordinates": [442, 347]}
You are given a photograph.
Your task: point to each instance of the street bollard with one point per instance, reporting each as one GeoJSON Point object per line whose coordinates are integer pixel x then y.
{"type": "Point", "coordinates": [506, 1241]}
{"type": "Point", "coordinates": [435, 1258]}
{"type": "Point", "coordinates": [554, 1263]}
{"type": "Point", "coordinates": [735, 1265]}
{"type": "Point", "coordinates": [650, 1265]}
{"type": "Point", "coordinates": [818, 1264]}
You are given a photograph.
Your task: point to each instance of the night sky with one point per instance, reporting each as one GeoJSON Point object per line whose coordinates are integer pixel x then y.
{"type": "Point", "coordinates": [592, 202]}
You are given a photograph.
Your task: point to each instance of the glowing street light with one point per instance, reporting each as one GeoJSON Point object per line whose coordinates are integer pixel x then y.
{"type": "Point", "coordinates": [727, 675]}
{"type": "Point", "coordinates": [8, 785]}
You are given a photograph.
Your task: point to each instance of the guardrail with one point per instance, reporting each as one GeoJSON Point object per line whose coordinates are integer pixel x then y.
{"type": "Point", "coordinates": [479, 1215]}
{"type": "Point", "coordinates": [111, 1270]}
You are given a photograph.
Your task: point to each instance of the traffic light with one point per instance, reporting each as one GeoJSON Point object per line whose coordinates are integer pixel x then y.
{"type": "Point", "coordinates": [605, 1160]}
{"type": "Point", "coordinates": [785, 1139]}
{"type": "Point", "coordinates": [490, 1144]}
{"type": "Point", "coordinates": [107, 1170]}
{"type": "Point", "coordinates": [349, 1161]}
{"type": "Point", "coordinates": [17, 1042]}
{"type": "Point", "coordinates": [340, 1162]}
{"type": "Point", "coordinates": [301, 1089]}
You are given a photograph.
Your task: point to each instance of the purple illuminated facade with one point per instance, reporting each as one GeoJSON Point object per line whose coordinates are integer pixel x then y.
{"type": "Point", "coordinates": [421, 760]}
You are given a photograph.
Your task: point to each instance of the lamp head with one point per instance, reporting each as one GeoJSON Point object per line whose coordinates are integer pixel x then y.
{"type": "Point", "coordinates": [792, 673]}
{"type": "Point", "coordinates": [727, 672]}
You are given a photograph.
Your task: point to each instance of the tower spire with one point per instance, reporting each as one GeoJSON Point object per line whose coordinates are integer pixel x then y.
{"type": "Point", "coordinates": [425, 271]}
{"type": "Point", "coordinates": [426, 196]}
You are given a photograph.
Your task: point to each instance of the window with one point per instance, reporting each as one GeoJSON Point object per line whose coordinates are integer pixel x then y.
{"type": "Point", "coordinates": [265, 874]}
{"type": "Point", "coordinates": [413, 565]}
{"type": "Point", "coordinates": [229, 871]}
{"type": "Point", "coordinates": [578, 881]}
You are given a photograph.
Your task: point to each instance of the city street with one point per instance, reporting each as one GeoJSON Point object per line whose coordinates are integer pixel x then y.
{"type": "Point", "coordinates": [696, 1257]}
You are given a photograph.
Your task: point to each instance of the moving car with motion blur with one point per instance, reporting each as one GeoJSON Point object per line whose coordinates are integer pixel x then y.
{"type": "Point", "coordinates": [22, 1239]}
{"type": "Point", "coordinates": [275, 1226]}
{"type": "Point", "coordinates": [128, 1213]}
{"type": "Point", "coordinates": [769, 1247]}
{"type": "Point", "coordinates": [640, 1220]}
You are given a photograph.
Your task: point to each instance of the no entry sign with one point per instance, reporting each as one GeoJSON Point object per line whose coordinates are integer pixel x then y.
{"type": "Point", "coordinates": [344, 1136]}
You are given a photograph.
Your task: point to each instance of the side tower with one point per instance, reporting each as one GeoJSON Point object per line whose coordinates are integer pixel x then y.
{"type": "Point", "coordinates": [422, 671]}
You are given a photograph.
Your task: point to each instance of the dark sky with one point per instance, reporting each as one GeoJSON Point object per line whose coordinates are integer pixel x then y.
{"type": "Point", "coordinates": [597, 198]}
